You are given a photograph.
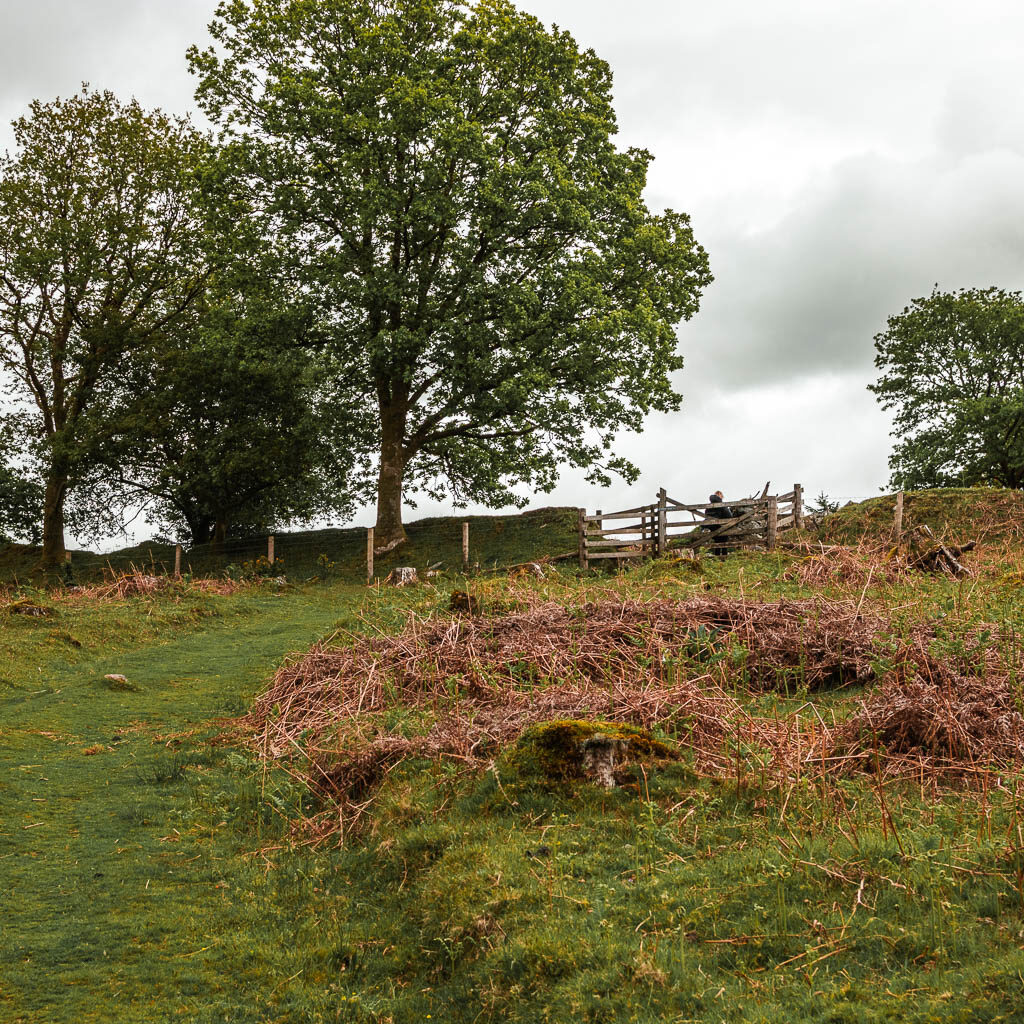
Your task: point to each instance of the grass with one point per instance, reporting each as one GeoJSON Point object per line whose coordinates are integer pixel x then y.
{"type": "Point", "coordinates": [112, 801]}
{"type": "Point", "coordinates": [151, 869]}
{"type": "Point", "coordinates": [953, 513]}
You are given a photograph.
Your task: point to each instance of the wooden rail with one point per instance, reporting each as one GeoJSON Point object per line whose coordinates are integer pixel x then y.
{"type": "Point", "coordinates": [647, 531]}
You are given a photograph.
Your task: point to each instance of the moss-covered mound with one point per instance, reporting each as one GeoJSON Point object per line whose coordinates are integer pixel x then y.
{"type": "Point", "coordinates": [556, 754]}
{"type": "Point", "coordinates": [953, 513]}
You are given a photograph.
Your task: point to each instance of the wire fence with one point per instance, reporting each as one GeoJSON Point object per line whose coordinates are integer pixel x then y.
{"type": "Point", "coordinates": [494, 541]}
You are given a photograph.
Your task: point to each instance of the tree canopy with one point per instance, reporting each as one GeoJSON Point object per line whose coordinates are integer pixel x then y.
{"type": "Point", "coordinates": [442, 179]}
{"type": "Point", "coordinates": [953, 370]}
{"type": "Point", "coordinates": [102, 243]}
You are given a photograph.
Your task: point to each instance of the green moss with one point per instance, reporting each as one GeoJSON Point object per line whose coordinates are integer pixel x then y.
{"type": "Point", "coordinates": [551, 754]}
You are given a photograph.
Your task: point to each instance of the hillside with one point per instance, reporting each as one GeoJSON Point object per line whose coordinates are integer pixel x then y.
{"type": "Point", "coordinates": [339, 803]}
{"type": "Point", "coordinates": [339, 553]}
{"type": "Point", "coordinates": [985, 514]}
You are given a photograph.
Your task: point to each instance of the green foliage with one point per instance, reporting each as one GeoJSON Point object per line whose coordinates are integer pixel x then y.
{"type": "Point", "coordinates": [955, 514]}
{"type": "Point", "coordinates": [443, 178]}
{"type": "Point", "coordinates": [226, 428]}
{"type": "Point", "coordinates": [953, 369]}
{"type": "Point", "coordinates": [256, 569]}
{"type": "Point", "coordinates": [101, 249]}
{"type": "Point", "coordinates": [21, 505]}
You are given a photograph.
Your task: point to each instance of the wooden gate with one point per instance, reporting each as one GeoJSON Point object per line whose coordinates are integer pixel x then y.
{"type": "Point", "coordinates": [653, 530]}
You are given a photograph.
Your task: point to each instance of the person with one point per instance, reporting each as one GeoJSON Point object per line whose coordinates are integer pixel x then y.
{"type": "Point", "coordinates": [718, 510]}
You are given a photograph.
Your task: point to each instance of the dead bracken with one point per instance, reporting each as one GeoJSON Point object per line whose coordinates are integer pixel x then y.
{"type": "Point", "coordinates": [135, 583]}
{"type": "Point", "coordinates": [475, 685]}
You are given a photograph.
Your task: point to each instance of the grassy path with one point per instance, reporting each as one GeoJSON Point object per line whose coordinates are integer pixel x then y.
{"type": "Point", "coordinates": [116, 857]}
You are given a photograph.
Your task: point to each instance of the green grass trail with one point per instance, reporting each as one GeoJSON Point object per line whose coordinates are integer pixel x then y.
{"type": "Point", "coordinates": [104, 870]}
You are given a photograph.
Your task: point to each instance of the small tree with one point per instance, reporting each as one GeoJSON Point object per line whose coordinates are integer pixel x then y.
{"type": "Point", "coordinates": [444, 179]}
{"type": "Point", "coordinates": [226, 426]}
{"type": "Point", "coordinates": [21, 502]}
{"type": "Point", "coordinates": [101, 243]}
{"type": "Point", "coordinates": [823, 505]}
{"type": "Point", "coordinates": [953, 369]}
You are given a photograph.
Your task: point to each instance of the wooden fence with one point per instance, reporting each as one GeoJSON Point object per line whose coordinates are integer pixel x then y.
{"type": "Point", "coordinates": [652, 530]}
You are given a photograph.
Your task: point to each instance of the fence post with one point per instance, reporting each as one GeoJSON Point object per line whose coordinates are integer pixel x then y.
{"type": "Point", "coordinates": [369, 555]}
{"type": "Point", "coordinates": [270, 549]}
{"type": "Point", "coordinates": [798, 506]}
{"type": "Point", "coordinates": [773, 522]}
{"type": "Point", "coordinates": [177, 561]}
{"type": "Point", "coordinates": [899, 517]}
{"type": "Point", "coordinates": [582, 531]}
{"type": "Point", "coordinates": [465, 546]}
{"type": "Point", "coordinates": [662, 544]}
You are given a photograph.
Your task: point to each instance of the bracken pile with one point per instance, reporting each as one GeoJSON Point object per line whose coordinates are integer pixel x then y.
{"type": "Point", "coordinates": [121, 586]}
{"type": "Point", "coordinates": [960, 725]}
{"type": "Point", "coordinates": [483, 681]}
{"type": "Point", "coordinates": [473, 685]}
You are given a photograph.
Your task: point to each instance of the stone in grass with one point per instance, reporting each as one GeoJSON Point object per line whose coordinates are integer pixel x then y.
{"type": "Point", "coordinates": [556, 754]}
{"type": "Point", "coordinates": [403, 576]}
{"type": "Point", "coordinates": [121, 684]}
{"type": "Point", "coordinates": [462, 601]}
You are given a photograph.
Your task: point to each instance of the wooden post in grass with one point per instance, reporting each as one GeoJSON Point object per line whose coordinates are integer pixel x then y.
{"type": "Point", "coordinates": [899, 517]}
{"type": "Point", "coordinates": [798, 506]}
{"type": "Point", "coordinates": [369, 555]}
{"type": "Point", "coordinates": [465, 546]}
{"type": "Point", "coordinates": [662, 544]}
{"type": "Point", "coordinates": [773, 522]}
{"type": "Point", "coordinates": [177, 561]}
{"type": "Point", "coordinates": [582, 532]}
{"type": "Point", "coordinates": [270, 550]}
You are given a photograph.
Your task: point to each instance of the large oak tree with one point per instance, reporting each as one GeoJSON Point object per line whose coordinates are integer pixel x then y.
{"type": "Point", "coordinates": [102, 238]}
{"type": "Point", "coordinates": [445, 180]}
{"type": "Point", "coordinates": [952, 368]}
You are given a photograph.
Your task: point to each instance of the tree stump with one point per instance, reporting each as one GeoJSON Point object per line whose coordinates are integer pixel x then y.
{"type": "Point", "coordinates": [403, 576]}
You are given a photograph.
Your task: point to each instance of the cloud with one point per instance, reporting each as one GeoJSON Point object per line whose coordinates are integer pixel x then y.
{"type": "Point", "coordinates": [808, 294]}
{"type": "Point", "coordinates": [135, 47]}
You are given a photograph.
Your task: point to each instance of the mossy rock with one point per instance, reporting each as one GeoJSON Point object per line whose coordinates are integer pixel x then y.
{"type": "Point", "coordinates": [554, 755]}
{"type": "Point", "coordinates": [29, 608]}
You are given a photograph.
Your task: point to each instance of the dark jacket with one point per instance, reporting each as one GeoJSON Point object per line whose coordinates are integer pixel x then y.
{"type": "Point", "coordinates": [718, 510]}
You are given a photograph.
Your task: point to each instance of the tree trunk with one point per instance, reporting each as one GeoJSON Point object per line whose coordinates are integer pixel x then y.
{"type": "Point", "coordinates": [199, 530]}
{"type": "Point", "coordinates": [54, 551]}
{"type": "Point", "coordinates": [220, 535]}
{"type": "Point", "coordinates": [389, 531]}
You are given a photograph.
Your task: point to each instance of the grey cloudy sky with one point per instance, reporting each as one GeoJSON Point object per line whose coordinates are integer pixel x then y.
{"type": "Point", "coordinates": [838, 158]}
